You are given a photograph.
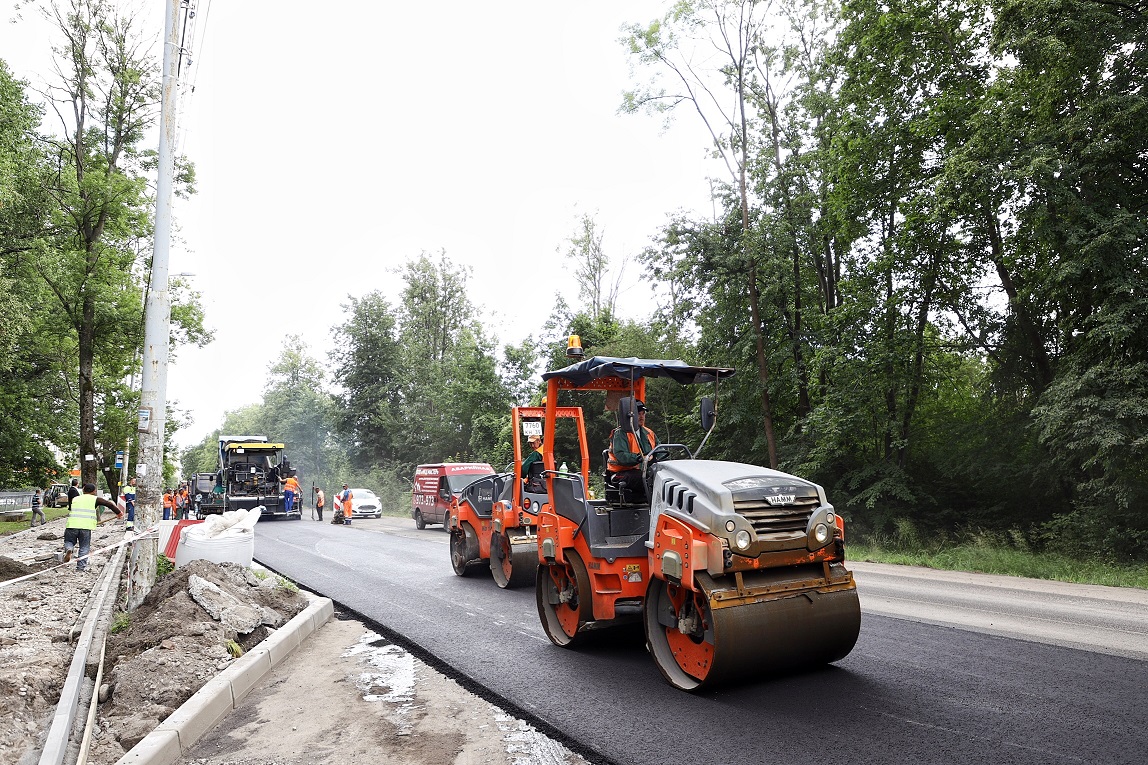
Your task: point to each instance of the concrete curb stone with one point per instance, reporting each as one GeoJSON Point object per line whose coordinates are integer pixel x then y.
{"type": "Point", "coordinates": [215, 700]}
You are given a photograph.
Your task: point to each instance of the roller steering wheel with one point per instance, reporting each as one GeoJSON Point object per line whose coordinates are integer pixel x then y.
{"type": "Point", "coordinates": [658, 454]}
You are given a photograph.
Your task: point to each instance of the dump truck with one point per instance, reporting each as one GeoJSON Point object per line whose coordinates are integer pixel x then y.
{"type": "Point", "coordinates": [734, 570]}
{"type": "Point", "coordinates": [494, 521]}
{"type": "Point", "coordinates": [250, 472]}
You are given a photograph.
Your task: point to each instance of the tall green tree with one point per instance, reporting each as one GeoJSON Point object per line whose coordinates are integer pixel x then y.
{"type": "Point", "coordinates": [33, 401]}
{"type": "Point", "coordinates": [299, 413]}
{"type": "Point", "coordinates": [706, 51]}
{"type": "Point", "coordinates": [449, 367]}
{"type": "Point", "coordinates": [105, 101]}
{"type": "Point", "coordinates": [365, 365]}
{"type": "Point", "coordinates": [1071, 117]}
{"type": "Point", "coordinates": [598, 284]}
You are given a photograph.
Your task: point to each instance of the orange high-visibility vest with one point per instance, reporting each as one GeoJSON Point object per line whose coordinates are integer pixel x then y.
{"type": "Point", "coordinates": [612, 464]}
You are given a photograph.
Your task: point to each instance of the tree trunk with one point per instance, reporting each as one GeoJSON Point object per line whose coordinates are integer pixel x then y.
{"type": "Point", "coordinates": [1037, 350]}
{"type": "Point", "coordinates": [88, 468]}
{"type": "Point", "coordinates": [918, 371]}
{"type": "Point", "coordinates": [762, 367]}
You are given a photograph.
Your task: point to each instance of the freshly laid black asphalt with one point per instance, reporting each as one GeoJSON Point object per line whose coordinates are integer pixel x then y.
{"type": "Point", "coordinates": [908, 693]}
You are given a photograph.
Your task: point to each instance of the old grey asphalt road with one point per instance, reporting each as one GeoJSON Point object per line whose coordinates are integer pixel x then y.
{"type": "Point", "coordinates": [927, 682]}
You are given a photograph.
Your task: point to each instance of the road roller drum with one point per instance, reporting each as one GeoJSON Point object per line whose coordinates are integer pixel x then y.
{"type": "Point", "coordinates": [703, 637]}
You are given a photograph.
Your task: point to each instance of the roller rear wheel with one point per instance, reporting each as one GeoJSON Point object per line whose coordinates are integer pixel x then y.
{"type": "Point", "coordinates": [463, 549]}
{"type": "Point", "coordinates": [565, 602]}
{"type": "Point", "coordinates": [511, 565]}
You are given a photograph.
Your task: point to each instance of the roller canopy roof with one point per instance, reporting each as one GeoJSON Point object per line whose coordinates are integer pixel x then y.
{"type": "Point", "coordinates": [607, 366]}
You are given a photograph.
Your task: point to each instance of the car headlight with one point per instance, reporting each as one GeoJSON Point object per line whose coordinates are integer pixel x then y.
{"type": "Point", "coordinates": [821, 532]}
{"type": "Point", "coordinates": [741, 539]}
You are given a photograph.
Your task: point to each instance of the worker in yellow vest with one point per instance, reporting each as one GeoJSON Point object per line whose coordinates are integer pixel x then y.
{"type": "Point", "coordinates": [82, 518]}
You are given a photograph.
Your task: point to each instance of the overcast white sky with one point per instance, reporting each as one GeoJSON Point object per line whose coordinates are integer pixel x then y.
{"type": "Point", "coordinates": [335, 142]}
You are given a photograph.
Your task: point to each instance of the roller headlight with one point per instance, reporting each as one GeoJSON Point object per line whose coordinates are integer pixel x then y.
{"type": "Point", "coordinates": [830, 518]}
{"type": "Point", "coordinates": [730, 525]}
{"type": "Point", "coordinates": [741, 539]}
{"type": "Point", "coordinates": [821, 532]}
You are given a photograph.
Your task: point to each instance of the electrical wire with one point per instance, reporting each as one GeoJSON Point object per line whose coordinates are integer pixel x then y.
{"type": "Point", "coordinates": [191, 30]}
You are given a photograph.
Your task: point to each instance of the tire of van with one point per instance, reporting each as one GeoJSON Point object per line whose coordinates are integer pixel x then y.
{"type": "Point", "coordinates": [420, 523]}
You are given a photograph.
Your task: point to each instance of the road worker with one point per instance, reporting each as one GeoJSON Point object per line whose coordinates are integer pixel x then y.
{"type": "Point", "coordinates": [626, 452]}
{"type": "Point", "coordinates": [290, 491]}
{"type": "Point", "coordinates": [346, 497]}
{"type": "Point", "coordinates": [82, 518]}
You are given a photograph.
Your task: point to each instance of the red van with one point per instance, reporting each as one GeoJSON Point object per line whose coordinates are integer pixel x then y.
{"type": "Point", "coordinates": [438, 485]}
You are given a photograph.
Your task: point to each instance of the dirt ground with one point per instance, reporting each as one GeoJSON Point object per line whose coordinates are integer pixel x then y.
{"type": "Point", "coordinates": [344, 696]}
{"type": "Point", "coordinates": [37, 619]}
{"type": "Point", "coordinates": [168, 648]}
{"type": "Point", "coordinates": [181, 636]}
{"type": "Point", "coordinates": [348, 696]}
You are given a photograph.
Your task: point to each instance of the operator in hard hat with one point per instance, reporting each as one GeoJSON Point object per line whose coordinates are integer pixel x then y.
{"type": "Point", "coordinates": [82, 518]}
{"type": "Point", "coordinates": [533, 483]}
{"type": "Point", "coordinates": [626, 451]}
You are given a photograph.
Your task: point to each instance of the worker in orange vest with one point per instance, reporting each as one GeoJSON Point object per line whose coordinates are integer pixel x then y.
{"type": "Point", "coordinates": [346, 497]}
{"type": "Point", "coordinates": [290, 492]}
{"type": "Point", "coordinates": [626, 453]}
{"type": "Point", "coordinates": [168, 503]}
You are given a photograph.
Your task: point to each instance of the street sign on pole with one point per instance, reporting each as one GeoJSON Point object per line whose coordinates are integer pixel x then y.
{"type": "Point", "coordinates": [119, 460]}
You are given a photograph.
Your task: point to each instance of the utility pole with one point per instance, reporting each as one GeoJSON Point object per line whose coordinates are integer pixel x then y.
{"type": "Point", "coordinates": [153, 393]}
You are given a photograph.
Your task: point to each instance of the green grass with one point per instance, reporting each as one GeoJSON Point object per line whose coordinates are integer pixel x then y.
{"type": "Point", "coordinates": [51, 513]}
{"type": "Point", "coordinates": [988, 558]}
{"type": "Point", "coordinates": [120, 622]}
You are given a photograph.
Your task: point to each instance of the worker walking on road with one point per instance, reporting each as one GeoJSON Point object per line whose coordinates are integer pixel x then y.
{"type": "Point", "coordinates": [36, 505]}
{"type": "Point", "coordinates": [82, 518]}
{"type": "Point", "coordinates": [320, 501]}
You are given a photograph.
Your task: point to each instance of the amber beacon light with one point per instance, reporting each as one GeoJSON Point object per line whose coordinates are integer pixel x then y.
{"type": "Point", "coordinates": [574, 347]}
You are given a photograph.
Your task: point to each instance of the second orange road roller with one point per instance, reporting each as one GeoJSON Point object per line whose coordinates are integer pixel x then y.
{"type": "Point", "coordinates": [735, 570]}
{"type": "Point", "coordinates": [495, 520]}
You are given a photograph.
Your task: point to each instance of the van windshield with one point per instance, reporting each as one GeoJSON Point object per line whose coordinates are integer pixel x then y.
{"type": "Point", "coordinates": [459, 482]}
